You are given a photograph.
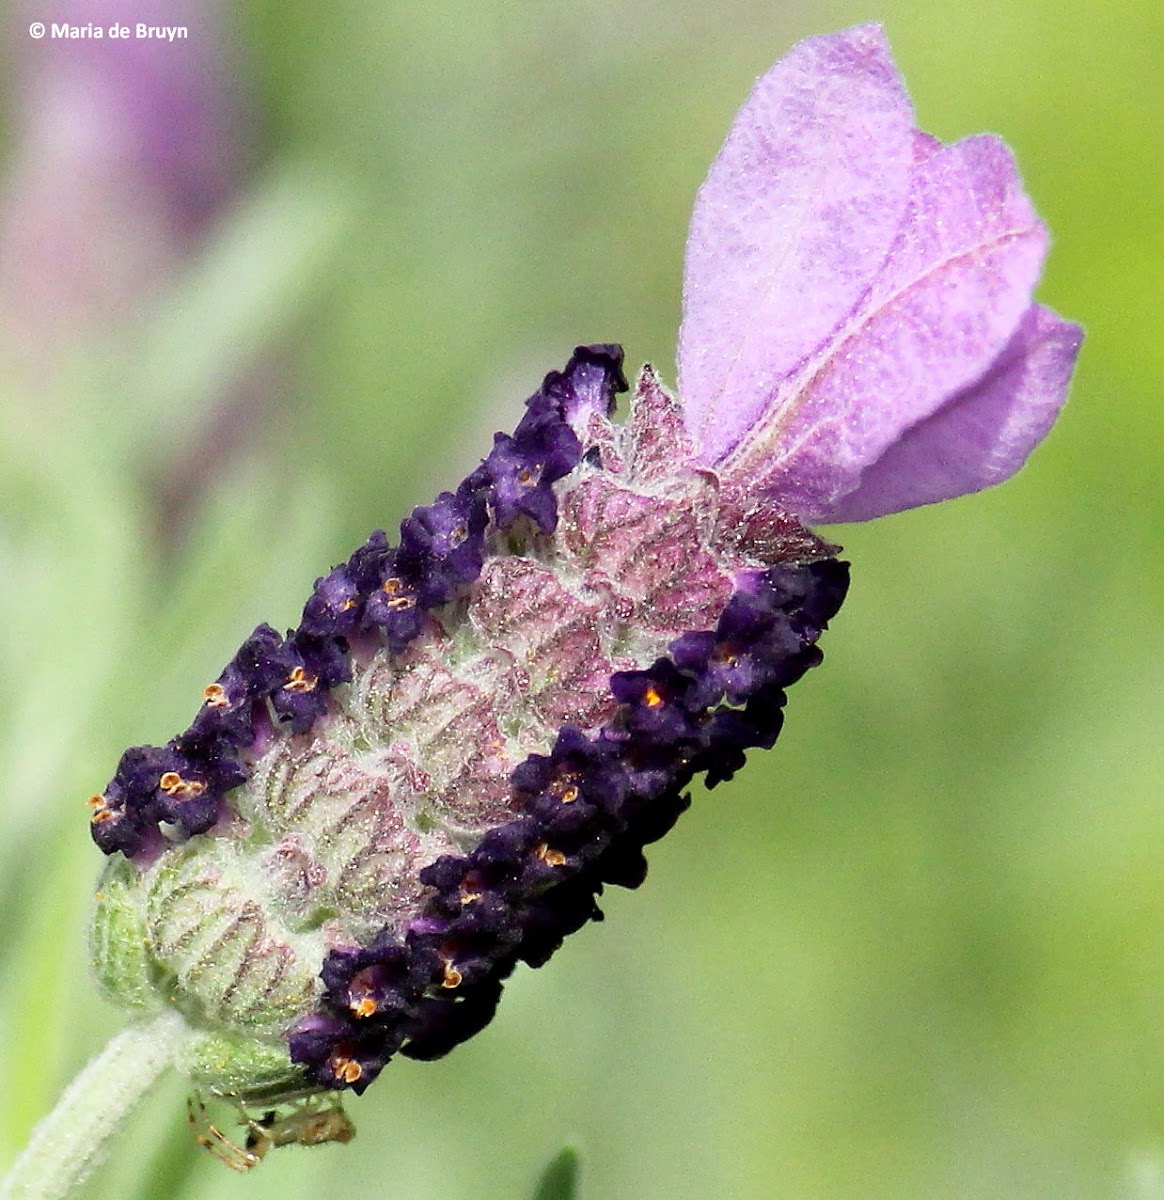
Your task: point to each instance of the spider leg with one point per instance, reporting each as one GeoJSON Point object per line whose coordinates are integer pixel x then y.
{"type": "Point", "coordinates": [211, 1138]}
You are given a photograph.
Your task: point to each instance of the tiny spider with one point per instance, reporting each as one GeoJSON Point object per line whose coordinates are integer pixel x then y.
{"type": "Point", "coordinates": [308, 1120]}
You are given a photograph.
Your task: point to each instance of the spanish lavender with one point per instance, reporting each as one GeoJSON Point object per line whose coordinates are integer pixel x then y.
{"type": "Point", "coordinates": [480, 723]}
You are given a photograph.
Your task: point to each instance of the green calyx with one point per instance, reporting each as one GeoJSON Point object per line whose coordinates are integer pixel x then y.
{"type": "Point", "coordinates": [185, 934]}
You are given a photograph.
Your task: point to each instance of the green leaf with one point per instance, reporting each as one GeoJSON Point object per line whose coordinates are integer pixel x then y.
{"type": "Point", "coordinates": [559, 1180]}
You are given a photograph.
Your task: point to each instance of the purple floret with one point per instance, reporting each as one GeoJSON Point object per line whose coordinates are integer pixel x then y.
{"type": "Point", "coordinates": [441, 1024]}
{"type": "Point", "coordinates": [447, 541]}
{"type": "Point", "coordinates": [591, 380]}
{"type": "Point", "coordinates": [657, 706]}
{"type": "Point", "coordinates": [116, 824]}
{"type": "Point", "coordinates": [521, 470]}
{"type": "Point", "coordinates": [395, 606]}
{"type": "Point", "coordinates": [313, 665]}
{"type": "Point", "coordinates": [580, 779]}
{"type": "Point", "coordinates": [227, 712]}
{"type": "Point", "coordinates": [161, 783]}
{"type": "Point", "coordinates": [336, 1053]}
{"type": "Point", "coordinates": [334, 607]}
{"type": "Point", "coordinates": [370, 983]}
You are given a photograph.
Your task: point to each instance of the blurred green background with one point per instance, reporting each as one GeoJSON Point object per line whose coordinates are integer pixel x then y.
{"type": "Point", "coordinates": [917, 951]}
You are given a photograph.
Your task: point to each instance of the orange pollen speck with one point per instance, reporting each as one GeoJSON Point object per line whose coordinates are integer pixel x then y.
{"type": "Point", "coordinates": [174, 785]}
{"type": "Point", "coordinates": [301, 680]}
{"type": "Point", "coordinates": [348, 604]}
{"type": "Point", "coordinates": [390, 586]}
{"type": "Point", "coordinates": [101, 810]}
{"type": "Point", "coordinates": [529, 475]}
{"type": "Point", "coordinates": [568, 794]}
{"type": "Point", "coordinates": [346, 1069]}
{"type": "Point", "coordinates": [452, 977]}
{"type": "Point", "coordinates": [458, 535]}
{"type": "Point", "coordinates": [552, 858]}
{"type": "Point", "coordinates": [470, 897]}
{"type": "Point", "coordinates": [399, 603]}
{"type": "Point", "coordinates": [215, 695]}
{"type": "Point", "coordinates": [365, 1006]}
{"type": "Point", "coordinates": [651, 697]}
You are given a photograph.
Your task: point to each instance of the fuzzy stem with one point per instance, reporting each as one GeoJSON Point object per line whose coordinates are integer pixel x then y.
{"type": "Point", "coordinates": [72, 1140]}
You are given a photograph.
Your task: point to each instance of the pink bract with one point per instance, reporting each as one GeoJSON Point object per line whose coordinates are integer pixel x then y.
{"type": "Point", "coordinates": [859, 335]}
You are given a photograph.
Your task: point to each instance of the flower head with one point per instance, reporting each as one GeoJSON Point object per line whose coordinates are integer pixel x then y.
{"type": "Point", "coordinates": [858, 332]}
{"type": "Point", "coordinates": [374, 818]}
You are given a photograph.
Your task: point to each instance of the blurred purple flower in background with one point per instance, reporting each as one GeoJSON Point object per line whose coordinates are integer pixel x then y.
{"type": "Point", "coordinates": [123, 152]}
{"type": "Point", "coordinates": [859, 336]}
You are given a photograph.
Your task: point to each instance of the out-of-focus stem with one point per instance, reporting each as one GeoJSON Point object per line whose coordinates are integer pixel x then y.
{"type": "Point", "coordinates": [73, 1139]}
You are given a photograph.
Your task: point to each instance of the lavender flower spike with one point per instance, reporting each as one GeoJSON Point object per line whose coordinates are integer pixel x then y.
{"type": "Point", "coordinates": [858, 335]}
{"type": "Point", "coordinates": [374, 818]}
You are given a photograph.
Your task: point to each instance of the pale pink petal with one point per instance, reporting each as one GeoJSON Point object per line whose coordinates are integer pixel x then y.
{"type": "Point", "coordinates": [948, 300]}
{"type": "Point", "coordinates": [982, 436]}
{"type": "Point", "coordinates": [793, 223]}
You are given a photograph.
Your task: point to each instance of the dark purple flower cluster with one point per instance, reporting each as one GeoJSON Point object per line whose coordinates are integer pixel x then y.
{"type": "Point", "coordinates": [589, 808]}
{"type": "Point", "coordinates": [521, 470]}
{"type": "Point", "coordinates": [381, 590]}
{"type": "Point", "coordinates": [183, 784]}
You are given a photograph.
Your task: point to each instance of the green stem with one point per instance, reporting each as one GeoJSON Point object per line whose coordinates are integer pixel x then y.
{"type": "Point", "coordinates": [72, 1140]}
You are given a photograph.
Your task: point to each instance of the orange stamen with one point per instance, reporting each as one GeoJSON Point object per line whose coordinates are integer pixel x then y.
{"type": "Point", "coordinates": [174, 785]}
{"type": "Point", "coordinates": [301, 680]}
{"type": "Point", "coordinates": [346, 1069]}
{"type": "Point", "coordinates": [552, 858]}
